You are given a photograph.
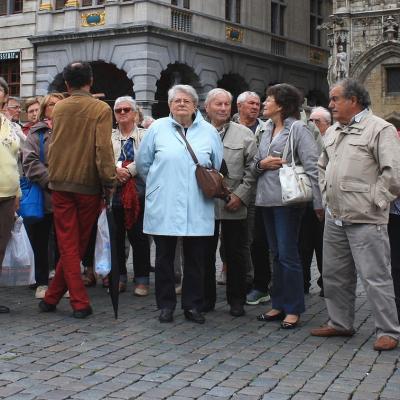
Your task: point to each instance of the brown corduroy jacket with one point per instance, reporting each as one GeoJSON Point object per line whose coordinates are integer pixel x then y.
{"type": "Point", "coordinates": [81, 158]}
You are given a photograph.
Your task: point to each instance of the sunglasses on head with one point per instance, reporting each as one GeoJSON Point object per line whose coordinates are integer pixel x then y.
{"type": "Point", "coordinates": [124, 109]}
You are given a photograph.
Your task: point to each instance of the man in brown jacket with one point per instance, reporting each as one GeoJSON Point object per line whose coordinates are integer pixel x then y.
{"type": "Point", "coordinates": [359, 177]}
{"type": "Point", "coordinates": [81, 165]}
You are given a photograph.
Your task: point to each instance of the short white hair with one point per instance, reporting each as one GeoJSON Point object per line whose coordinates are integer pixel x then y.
{"type": "Point", "coordinates": [126, 99]}
{"type": "Point", "coordinates": [215, 92]}
{"type": "Point", "coordinates": [187, 89]}
{"type": "Point", "coordinates": [324, 112]}
{"type": "Point", "coordinates": [245, 95]}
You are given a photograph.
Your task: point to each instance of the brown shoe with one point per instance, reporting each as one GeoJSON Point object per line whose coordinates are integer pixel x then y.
{"type": "Point", "coordinates": [385, 343]}
{"type": "Point", "coordinates": [328, 331]}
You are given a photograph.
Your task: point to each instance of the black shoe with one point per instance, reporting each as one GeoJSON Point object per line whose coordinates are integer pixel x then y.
{"type": "Point", "coordinates": [166, 315]}
{"type": "Point", "coordinates": [46, 307]}
{"type": "Point", "coordinates": [82, 313]}
{"type": "Point", "coordinates": [152, 269]}
{"type": "Point", "coordinates": [321, 293]}
{"type": "Point", "coordinates": [207, 308]}
{"type": "Point", "coordinates": [267, 318]}
{"type": "Point", "coordinates": [290, 325]}
{"type": "Point", "coordinates": [237, 310]}
{"type": "Point", "coordinates": [194, 316]}
{"type": "Point", "coordinates": [4, 310]}
{"type": "Point", "coordinates": [306, 290]}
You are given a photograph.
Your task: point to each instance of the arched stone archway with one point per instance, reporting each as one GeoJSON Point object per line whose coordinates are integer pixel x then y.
{"type": "Point", "coordinates": [235, 84]}
{"type": "Point", "coordinates": [176, 73]}
{"type": "Point", "coordinates": [373, 57]}
{"type": "Point", "coordinates": [107, 79]}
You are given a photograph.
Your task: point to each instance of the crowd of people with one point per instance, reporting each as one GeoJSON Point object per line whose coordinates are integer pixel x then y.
{"type": "Point", "coordinates": [145, 170]}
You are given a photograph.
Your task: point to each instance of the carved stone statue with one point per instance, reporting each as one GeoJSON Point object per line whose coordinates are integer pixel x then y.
{"type": "Point", "coordinates": [341, 70]}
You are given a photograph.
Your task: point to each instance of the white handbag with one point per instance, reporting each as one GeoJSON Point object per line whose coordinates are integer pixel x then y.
{"type": "Point", "coordinates": [295, 183]}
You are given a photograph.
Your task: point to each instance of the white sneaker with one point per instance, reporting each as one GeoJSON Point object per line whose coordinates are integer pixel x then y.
{"type": "Point", "coordinates": [41, 291]}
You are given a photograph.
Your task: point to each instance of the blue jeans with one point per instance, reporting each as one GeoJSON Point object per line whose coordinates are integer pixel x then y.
{"type": "Point", "coordinates": [282, 225]}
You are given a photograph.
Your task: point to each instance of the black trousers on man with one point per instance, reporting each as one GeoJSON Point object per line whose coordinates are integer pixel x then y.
{"type": "Point", "coordinates": [194, 252]}
{"type": "Point", "coordinates": [260, 254]}
{"type": "Point", "coordinates": [394, 239]}
{"type": "Point", "coordinates": [311, 239]}
{"type": "Point", "coordinates": [235, 238]}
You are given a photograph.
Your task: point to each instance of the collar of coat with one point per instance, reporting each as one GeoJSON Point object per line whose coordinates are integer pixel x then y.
{"type": "Point", "coordinates": [198, 118]}
{"type": "Point", "coordinates": [357, 125]}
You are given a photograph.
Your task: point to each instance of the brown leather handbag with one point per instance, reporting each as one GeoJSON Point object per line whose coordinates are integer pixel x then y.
{"type": "Point", "coordinates": [210, 180]}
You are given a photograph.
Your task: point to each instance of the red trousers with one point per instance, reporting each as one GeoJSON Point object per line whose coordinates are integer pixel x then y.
{"type": "Point", "coordinates": [74, 217]}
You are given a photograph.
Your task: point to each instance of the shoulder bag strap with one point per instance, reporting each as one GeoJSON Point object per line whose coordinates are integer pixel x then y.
{"type": "Point", "coordinates": [196, 161]}
{"type": "Point", "coordinates": [41, 146]}
{"type": "Point", "coordinates": [289, 141]}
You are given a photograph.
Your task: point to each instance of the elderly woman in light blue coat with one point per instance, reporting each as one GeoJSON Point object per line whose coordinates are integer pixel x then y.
{"type": "Point", "coordinates": [175, 205]}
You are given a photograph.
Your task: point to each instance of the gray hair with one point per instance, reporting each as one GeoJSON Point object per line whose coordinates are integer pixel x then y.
{"type": "Point", "coordinates": [187, 89]}
{"type": "Point", "coordinates": [215, 92]}
{"type": "Point", "coordinates": [326, 114]}
{"type": "Point", "coordinates": [126, 99]}
{"type": "Point", "coordinates": [243, 96]}
{"type": "Point", "coordinates": [352, 87]}
{"type": "Point", "coordinates": [4, 85]}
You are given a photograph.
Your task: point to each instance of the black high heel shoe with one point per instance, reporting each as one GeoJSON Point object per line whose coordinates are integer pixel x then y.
{"type": "Point", "coordinates": [267, 318]}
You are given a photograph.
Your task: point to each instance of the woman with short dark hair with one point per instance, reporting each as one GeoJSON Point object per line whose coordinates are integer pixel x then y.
{"type": "Point", "coordinates": [282, 222]}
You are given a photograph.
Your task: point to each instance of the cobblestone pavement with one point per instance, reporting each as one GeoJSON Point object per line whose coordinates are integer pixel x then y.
{"type": "Point", "coordinates": [54, 356]}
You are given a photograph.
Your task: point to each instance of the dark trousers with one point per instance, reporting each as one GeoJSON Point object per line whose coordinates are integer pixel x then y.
{"type": "Point", "coordinates": [140, 246]}
{"type": "Point", "coordinates": [394, 239]}
{"type": "Point", "coordinates": [194, 252]}
{"type": "Point", "coordinates": [311, 239]}
{"type": "Point", "coordinates": [74, 217]}
{"type": "Point", "coordinates": [260, 254]}
{"type": "Point", "coordinates": [88, 258]}
{"type": "Point", "coordinates": [39, 235]}
{"type": "Point", "coordinates": [235, 239]}
{"type": "Point", "coordinates": [282, 225]}
{"type": "Point", "coordinates": [7, 210]}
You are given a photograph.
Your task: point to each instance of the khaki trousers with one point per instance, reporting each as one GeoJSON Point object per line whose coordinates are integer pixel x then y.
{"type": "Point", "coordinates": [362, 249]}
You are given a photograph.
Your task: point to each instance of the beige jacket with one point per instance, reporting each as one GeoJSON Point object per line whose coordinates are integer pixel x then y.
{"type": "Point", "coordinates": [239, 150]}
{"type": "Point", "coordinates": [359, 170]}
{"type": "Point", "coordinates": [116, 137]}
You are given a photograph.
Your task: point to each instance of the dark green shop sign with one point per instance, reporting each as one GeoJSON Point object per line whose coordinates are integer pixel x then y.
{"type": "Point", "coordinates": [9, 55]}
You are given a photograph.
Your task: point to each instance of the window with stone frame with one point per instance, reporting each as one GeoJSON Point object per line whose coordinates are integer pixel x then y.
{"type": "Point", "coordinates": [8, 7]}
{"type": "Point", "coordinates": [316, 19]}
{"type": "Point", "coordinates": [278, 8]}
{"type": "Point", "coordinates": [181, 3]}
{"type": "Point", "coordinates": [10, 71]}
{"type": "Point", "coordinates": [89, 3]}
{"type": "Point", "coordinates": [233, 10]}
{"type": "Point", "coordinates": [393, 80]}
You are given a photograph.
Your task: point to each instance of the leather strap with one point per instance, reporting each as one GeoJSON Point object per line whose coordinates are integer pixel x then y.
{"type": "Point", "coordinates": [196, 161]}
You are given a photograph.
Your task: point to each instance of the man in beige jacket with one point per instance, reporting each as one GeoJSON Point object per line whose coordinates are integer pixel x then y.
{"type": "Point", "coordinates": [359, 177]}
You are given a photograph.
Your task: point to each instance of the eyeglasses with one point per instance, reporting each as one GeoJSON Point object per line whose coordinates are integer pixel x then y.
{"type": "Point", "coordinates": [314, 120]}
{"type": "Point", "coordinates": [180, 101]}
{"type": "Point", "coordinates": [126, 110]}
{"type": "Point", "coordinates": [14, 107]}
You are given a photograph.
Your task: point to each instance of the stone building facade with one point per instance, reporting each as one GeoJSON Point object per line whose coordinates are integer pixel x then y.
{"type": "Point", "coordinates": [142, 47]}
{"type": "Point", "coordinates": [17, 53]}
{"type": "Point", "coordinates": [363, 36]}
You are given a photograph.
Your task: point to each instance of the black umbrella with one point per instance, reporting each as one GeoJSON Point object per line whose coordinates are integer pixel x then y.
{"type": "Point", "coordinates": [114, 274]}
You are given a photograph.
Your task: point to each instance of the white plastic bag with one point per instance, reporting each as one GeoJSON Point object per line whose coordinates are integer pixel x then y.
{"type": "Point", "coordinates": [18, 267]}
{"type": "Point", "coordinates": [102, 249]}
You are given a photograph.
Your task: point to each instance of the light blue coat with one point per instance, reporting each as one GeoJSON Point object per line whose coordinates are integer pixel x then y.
{"type": "Point", "coordinates": [175, 204]}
